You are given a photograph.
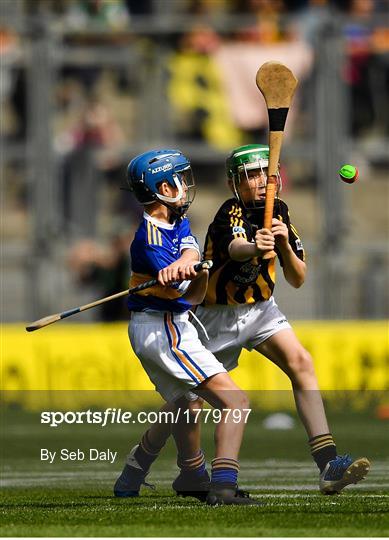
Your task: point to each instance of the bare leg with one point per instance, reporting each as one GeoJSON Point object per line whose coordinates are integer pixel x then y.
{"type": "Point", "coordinates": [285, 350]}
{"type": "Point", "coordinates": [141, 457]}
{"type": "Point", "coordinates": [186, 431]}
{"type": "Point", "coordinates": [159, 433]}
{"type": "Point", "coordinates": [221, 392]}
{"type": "Point", "coordinates": [146, 452]}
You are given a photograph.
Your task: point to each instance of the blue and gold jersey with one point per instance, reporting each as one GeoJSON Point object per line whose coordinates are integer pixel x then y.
{"type": "Point", "coordinates": [155, 246]}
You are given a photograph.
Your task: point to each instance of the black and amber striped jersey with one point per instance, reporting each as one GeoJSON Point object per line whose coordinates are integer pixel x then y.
{"type": "Point", "coordinates": [234, 282]}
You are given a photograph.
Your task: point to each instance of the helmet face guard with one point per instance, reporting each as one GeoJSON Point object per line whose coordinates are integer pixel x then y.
{"type": "Point", "coordinates": [183, 181]}
{"type": "Point", "coordinates": [148, 171]}
{"type": "Point", "coordinates": [241, 161]}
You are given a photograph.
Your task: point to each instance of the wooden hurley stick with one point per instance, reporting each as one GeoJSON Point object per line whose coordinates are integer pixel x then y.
{"type": "Point", "coordinates": [277, 84]}
{"type": "Point", "coordinates": [50, 319]}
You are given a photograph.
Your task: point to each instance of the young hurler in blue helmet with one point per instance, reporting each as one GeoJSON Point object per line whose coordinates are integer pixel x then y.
{"type": "Point", "coordinates": [167, 343]}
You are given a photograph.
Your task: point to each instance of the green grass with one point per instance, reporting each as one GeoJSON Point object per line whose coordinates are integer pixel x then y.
{"type": "Point", "coordinates": [75, 499]}
{"type": "Point", "coordinates": [61, 512]}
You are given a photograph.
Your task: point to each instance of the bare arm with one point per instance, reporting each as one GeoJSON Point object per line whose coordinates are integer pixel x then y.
{"type": "Point", "coordinates": [242, 250]}
{"type": "Point", "coordinates": [294, 268]}
{"type": "Point", "coordinates": [197, 289]}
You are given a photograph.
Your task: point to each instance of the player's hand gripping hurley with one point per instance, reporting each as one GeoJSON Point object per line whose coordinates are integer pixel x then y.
{"type": "Point", "coordinates": [50, 319]}
{"type": "Point", "coordinates": [277, 85]}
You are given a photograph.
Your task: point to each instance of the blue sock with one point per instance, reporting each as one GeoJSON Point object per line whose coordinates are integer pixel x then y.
{"type": "Point", "coordinates": [225, 471]}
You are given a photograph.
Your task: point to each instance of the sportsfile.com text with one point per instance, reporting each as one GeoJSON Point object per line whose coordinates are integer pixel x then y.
{"type": "Point", "coordinates": [118, 416]}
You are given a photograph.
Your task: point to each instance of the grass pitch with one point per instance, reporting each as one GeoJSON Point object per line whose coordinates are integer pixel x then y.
{"type": "Point", "coordinates": [75, 499]}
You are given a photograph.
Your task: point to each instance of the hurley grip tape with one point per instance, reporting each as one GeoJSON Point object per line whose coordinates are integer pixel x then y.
{"type": "Point", "coordinates": [277, 118]}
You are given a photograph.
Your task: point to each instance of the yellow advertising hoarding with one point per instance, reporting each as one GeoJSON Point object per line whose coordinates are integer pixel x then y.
{"type": "Point", "coordinates": [348, 355]}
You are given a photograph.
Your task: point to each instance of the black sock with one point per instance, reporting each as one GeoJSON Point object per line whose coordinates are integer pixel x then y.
{"type": "Point", "coordinates": [193, 466]}
{"type": "Point", "coordinates": [146, 453]}
{"type": "Point", "coordinates": [323, 449]}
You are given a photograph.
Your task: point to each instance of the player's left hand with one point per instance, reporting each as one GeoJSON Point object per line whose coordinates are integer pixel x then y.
{"type": "Point", "coordinates": [176, 271]}
{"type": "Point", "coordinates": [281, 233]}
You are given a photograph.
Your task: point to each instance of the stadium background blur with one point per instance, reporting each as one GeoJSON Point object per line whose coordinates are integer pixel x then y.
{"type": "Point", "coordinates": [88, 84]}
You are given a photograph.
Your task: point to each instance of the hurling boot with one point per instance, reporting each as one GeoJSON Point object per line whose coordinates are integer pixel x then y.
{"type": "Point", "coordinates": [341, 472]}
{"type": "Point", "coordinates": [190, 485]}
{"type": "Point", "coordinates": [132, 478]}
{"type": "Point", "coordinates": [226, 494]}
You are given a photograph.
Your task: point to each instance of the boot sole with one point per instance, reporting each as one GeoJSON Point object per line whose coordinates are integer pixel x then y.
{"type": "Point", "coordinates": [213, 500]}
{"type": "Point", "coordinates": [354, 474]}
{"type": "Point", "coordinates": [200, 495]}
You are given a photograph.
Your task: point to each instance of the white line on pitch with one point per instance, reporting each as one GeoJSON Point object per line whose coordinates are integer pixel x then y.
{"type": "Point", "coordinates": [307, 487]}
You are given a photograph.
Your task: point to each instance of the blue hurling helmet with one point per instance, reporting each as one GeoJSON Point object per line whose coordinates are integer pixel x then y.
{"type": "Point", "coordinates": [147, 171]}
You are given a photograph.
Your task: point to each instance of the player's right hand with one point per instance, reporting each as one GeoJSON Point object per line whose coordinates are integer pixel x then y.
{"type": "Point", "coordinates": [264, 241]}
{"type": "Point", "coordinates": [176, 272]}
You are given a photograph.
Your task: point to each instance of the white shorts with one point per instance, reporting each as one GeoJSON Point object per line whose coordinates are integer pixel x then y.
{"type": "Point", "coordinates": [171, 353]}
{"type": "Point", "coordinates": [232, 328]}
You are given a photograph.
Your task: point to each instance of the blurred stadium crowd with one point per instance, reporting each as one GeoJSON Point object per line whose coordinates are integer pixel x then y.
{"type": "Point", "coordinates": [87, 84]}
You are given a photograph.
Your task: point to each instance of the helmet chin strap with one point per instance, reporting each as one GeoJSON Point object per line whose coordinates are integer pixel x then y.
{"type": "Point", "coordinates": [177, 211]}
{"type": "Point", "coordinates": [256, 203]}
{"type": "Point", "coordinates": [165, 199]}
